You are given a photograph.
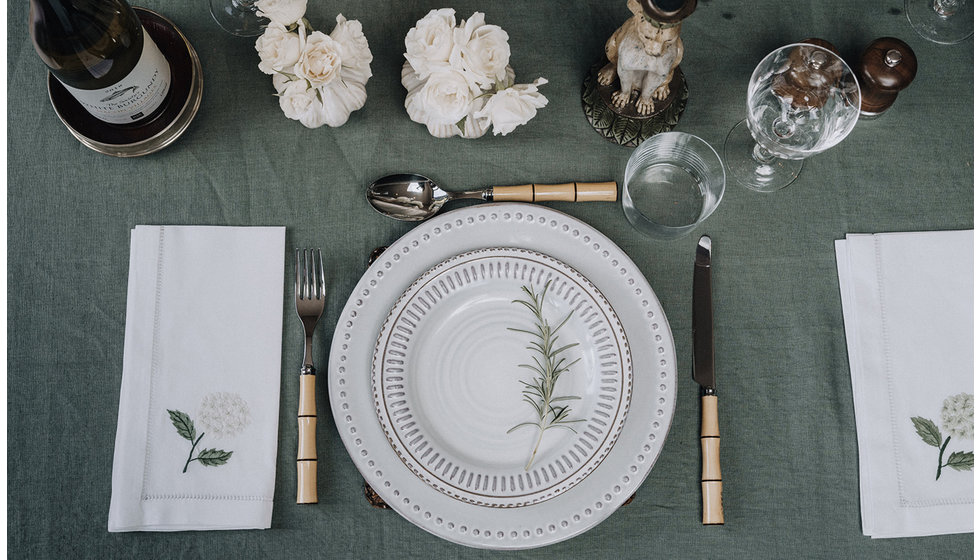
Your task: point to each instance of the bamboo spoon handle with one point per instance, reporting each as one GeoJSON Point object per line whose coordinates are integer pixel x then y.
{"type": "Point", "coordinates": [568, 192]}
{"type": "Point", "coordinates": [306, 450]}
{"type": "Point", "coordinates": [711, 513]}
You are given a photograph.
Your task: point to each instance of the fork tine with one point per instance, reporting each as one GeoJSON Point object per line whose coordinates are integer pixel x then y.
{"type": "Point", "coordinates": [311, 275]}
{"type": "Point", "coordinates": [306, 274]}
{"type": "Point", "coordinates": [300, 273]}
{"type": "Point", "coordinates": [322, 286]}
{"type": "Point", "coordinates": [297, 287]}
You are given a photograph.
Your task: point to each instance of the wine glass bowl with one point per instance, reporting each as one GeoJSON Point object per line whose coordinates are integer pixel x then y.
{"type": "Point", "coordinates": [802, 100]}
{"type": "Point", "coordinates": [941, 21]}
{"type": "Point", "coordinates": [238, 17]}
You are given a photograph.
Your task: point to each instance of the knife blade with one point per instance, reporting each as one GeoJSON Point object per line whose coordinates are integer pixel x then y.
{"type": "Point", "coordinates": [703, 371]}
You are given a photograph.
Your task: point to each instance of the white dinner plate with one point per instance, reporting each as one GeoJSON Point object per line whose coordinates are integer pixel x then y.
{"type": "Point", "coordinates": [613, 275]}
{"type": "Point", "coordinates": [502, 377]}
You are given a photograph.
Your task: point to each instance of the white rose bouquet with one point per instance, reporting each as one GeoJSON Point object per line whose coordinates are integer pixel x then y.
{"type": "Point", "coordinates": [459, 80]}
{"type": "Point", "coordinates": [320, 79]}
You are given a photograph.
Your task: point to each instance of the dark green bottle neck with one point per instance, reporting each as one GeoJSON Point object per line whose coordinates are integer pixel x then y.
{"type": "Point", "coordinates": [63, 26]}
{"type": "Point", "coordinates": [85, 40]}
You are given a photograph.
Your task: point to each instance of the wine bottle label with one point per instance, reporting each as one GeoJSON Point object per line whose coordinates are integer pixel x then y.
{"type": "Point", "coordinates": [137, 95]}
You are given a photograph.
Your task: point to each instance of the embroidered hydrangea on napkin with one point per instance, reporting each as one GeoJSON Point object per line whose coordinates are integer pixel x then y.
{"type": "Point", "coordinates": [908, 315]}
{"type": "Point", "coordinates": [199, 404]}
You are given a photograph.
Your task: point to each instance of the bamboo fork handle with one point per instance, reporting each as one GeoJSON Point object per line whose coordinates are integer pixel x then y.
{"type": "Point", "coordinates": [712, 513]}
{"type": "Point", "coordinates": [306, 450]}
{"type": "Point", "coordinates": [568, 192]}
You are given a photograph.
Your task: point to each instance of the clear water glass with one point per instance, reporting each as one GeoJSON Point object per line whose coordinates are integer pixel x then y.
{"type": "Point", "coordinates": [673, 182]}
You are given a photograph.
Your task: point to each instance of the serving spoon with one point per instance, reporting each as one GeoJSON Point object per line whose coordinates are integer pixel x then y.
{"type": "Point", "coordinates": [412, 197]}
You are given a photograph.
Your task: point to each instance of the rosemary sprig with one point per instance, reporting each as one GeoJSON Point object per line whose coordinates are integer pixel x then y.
{"type": "Point", "coordinates": [548, 366]}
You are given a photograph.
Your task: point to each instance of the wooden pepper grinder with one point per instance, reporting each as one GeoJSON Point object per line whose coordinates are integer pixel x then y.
{"type": "Point", "coordinates": [809, 75]}
{"type": "Point", "coordinates": [887, 66]}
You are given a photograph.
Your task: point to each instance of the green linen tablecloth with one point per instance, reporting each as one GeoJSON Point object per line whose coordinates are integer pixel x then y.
{"type": "Point", "coordinates": [787, 420]}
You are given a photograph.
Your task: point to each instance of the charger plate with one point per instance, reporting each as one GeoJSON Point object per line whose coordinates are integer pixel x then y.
{"type": "Point", "coordinates": [597, 259]}
{"type": "Point", "coordinates": [459, 384]}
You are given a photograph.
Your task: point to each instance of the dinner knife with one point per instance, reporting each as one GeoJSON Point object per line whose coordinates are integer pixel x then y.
{"type": "Point", "coordinates": [703, 367]}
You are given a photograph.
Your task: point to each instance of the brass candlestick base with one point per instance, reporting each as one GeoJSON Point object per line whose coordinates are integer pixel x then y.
{"type": "Point", "coordinates": [625, 125]}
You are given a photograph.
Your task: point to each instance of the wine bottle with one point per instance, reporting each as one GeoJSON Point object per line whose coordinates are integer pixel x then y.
{"type": "Point", "coordinates": [100, 52]}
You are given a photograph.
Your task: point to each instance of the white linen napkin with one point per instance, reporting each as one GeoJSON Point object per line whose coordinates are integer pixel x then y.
{"type": "Point", "coordinates": [908, 315]}
{"type": "Point", "coordinates": [198, 418]}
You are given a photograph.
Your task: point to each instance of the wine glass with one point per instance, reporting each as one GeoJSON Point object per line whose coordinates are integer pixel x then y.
{"type": "Point", "coordinates": [802, 99]}
{"type": "Point", "coordinates": [238, 17]}
{"type": "Point", "coordinates": [941, 21]}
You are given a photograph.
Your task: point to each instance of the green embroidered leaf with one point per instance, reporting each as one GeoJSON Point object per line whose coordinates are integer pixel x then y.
{"type": "Point", "coordinates": [214, 457]}
{"type": "Point", "coordinates": [961, 460]}
{"type": "Point", "coordinates": [183, 423]}
{"type": "Point", "coordinates": [927, 430]}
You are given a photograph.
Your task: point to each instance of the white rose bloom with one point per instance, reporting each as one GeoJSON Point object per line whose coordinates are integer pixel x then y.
{"type": "Point", "coordinates": [327, 79]}
{"type": "Point", "coordinates": [285, 12]}
{"type": "Point", "coordinates": [299, 102]}
{"type": "Point", "coordinates": [320, 61]}
{"type": "Point", "coordinates": [348, 94]}
{"type": "Point", "coordinates": [354, 50]}
{"type": "Point", "coordinates": [444, 98]}
{"type": "Point", "coordinates": [278, 49]}
{"type": "Point", "coordinates": [429, 44]}
{"type": "Point", "coordinates": [512, 107]}
{"type": "Point", "coordinates": [957, 415]}
{"type": "Point", "coordinates": [481, 50]}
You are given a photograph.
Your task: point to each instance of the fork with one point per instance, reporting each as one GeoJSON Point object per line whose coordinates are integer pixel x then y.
{"type": "Point", "coordinates": [310, 296]}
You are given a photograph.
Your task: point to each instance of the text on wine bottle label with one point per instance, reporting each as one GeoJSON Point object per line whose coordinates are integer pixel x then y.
{"type": "Point", "coordinates": [137, 95]}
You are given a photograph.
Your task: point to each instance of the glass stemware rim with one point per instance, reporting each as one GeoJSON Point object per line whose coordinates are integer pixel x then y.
{"type": "Point", "coordinates": [848, 71]}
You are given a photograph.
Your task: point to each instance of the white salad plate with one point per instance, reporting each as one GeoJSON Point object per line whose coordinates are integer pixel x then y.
{"type": "Point", "coordinates": [502, 377]}
{"type": "Point", "coordinates": [636, 366]}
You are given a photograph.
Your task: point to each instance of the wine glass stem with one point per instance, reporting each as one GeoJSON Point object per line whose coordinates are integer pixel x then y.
{"type": "Point", "coordinates": [762, 155]}
{"type": "Point", "coordinates": [945, 8]}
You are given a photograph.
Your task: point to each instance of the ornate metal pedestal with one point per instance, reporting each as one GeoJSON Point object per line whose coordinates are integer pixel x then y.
{"type": "Point", "coordinates": [626, 126]}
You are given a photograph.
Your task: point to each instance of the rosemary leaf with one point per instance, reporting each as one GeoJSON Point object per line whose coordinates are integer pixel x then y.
{"type": "Point", "coordinates": [548, 366]}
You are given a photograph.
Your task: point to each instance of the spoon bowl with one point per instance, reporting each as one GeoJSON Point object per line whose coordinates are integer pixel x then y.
{"type": "Point", "coordinates": [407, 196]}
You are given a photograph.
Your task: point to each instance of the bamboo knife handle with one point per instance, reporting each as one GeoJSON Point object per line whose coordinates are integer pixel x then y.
{"type": "Point", "coordinates": [711, 513]}
{"type": "Point", "coordinates": [567, 192]}
{"type": "Point", "coordinates": [306, 450]}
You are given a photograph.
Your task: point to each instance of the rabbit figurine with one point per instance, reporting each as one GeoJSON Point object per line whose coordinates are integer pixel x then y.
{"type": "Point", "coordinates": [644, 52]}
